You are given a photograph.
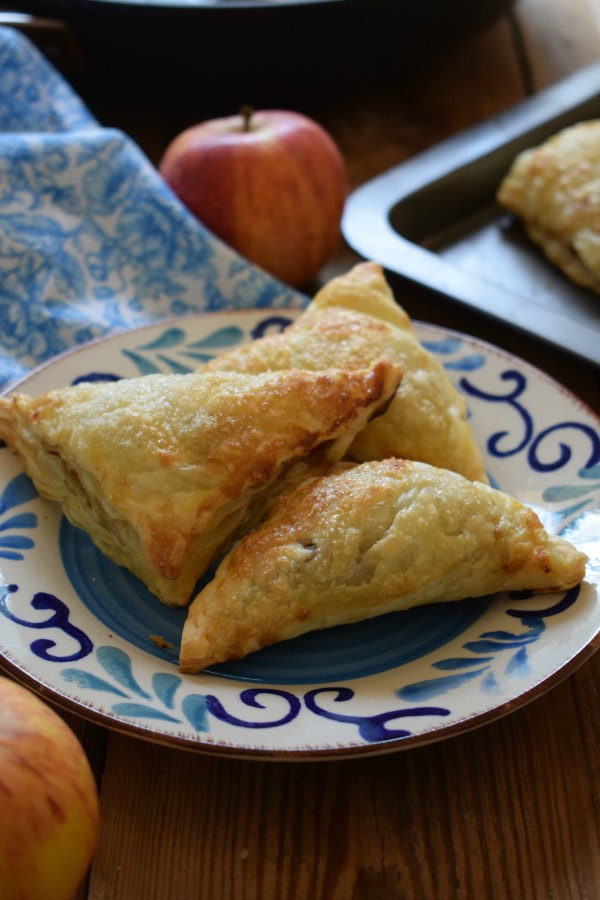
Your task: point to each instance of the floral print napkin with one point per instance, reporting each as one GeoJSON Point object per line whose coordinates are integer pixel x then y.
{"type": "Point", "coordinates": [92, 240]}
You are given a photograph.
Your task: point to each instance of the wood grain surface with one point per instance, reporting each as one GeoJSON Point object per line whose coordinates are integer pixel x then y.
{"type": "Point", "coordinates": [510, 811]}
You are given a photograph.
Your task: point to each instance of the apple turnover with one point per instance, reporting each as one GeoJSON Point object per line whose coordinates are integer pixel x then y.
{"type": "Point", "coordinates": [364, 540]}
{"type": "Point", "coordinates": [555, 190]}
{"type": "Point", "coordinates": [164, 471]}
{"type": "Point", "coordinates": [352, 321]}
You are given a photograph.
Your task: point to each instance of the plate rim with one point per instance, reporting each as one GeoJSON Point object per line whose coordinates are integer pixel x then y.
{"type": "Point", "coordinates": [211, 747]}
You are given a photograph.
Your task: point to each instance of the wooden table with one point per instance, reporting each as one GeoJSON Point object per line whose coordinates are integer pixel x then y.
{"type": "Point", "coordinates": [511, 810]}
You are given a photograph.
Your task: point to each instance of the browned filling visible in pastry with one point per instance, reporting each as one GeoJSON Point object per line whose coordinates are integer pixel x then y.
{"type": "Point", "coordinates": [555, 190]}
{"type": "Point", "coordinates": [351, 322]}
{"type": "Point", "coordinates": [364, 540]}
{"type": "Point", "coordinates": [164, 471]}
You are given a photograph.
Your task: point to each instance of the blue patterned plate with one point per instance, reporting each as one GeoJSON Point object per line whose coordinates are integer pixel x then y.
{"type": "Point", "coordinates": [78, 628]}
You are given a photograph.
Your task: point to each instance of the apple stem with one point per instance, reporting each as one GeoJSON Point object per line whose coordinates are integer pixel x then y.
{"type": "Point", "coordinates": [246, 113]}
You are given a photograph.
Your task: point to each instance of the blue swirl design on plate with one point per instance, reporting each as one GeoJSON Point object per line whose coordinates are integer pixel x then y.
{"type": "Point", "coordinates": [58, 620]}
{"type": "Point", "coordinates": [13, 547]}
{"type": "Point", "coordinates": [18, 491]}
{"type": "Point", "coordinates": [485, 648]}
{"type": "Point", "coordinates": [168, 702]}
{"type": "Point", "coordinates": [498, 446]}
{"type": "Point", "coordinates": [134, 702]}
{"type": "Point", "coordinates": [96, 377]}
{"type": "Point", "coordinates": [270, 325]}
{"type": "Point", "coordinates": [250, 698]}
{"type": "Point", "coordinates": [565, 452]}
{"type": "Point", "coordinates": [371, 728]}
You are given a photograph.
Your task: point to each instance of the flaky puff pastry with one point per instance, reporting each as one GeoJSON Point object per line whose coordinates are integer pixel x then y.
{"type": "Point", "coordinates": [555, 190]}
{"type": "Point", "coordinates": [364, 540]}
{"type": "Point", "coordinates": [353, 320]}
{"type": "Point", "coordinates": [163, 471]}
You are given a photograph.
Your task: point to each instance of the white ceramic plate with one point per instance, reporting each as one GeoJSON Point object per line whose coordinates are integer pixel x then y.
{"type": "Point", "coordinates": [75, 627]}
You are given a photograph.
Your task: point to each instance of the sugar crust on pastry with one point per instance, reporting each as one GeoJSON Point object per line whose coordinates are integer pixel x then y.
{"type": "Point", "coordinates": [555, 189]}
{"type": "Point", "coordinates": [351, 321]}
{"type": "Point", "coordinates": [163, 471]}
{"type": "Point", "coordinates": [364, 540]}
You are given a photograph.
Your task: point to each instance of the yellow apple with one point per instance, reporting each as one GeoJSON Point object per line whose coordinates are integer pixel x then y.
{"type": "Point", "coordinates": [272, 184]}
{"type": "Point", "coordinates": [48, 800]}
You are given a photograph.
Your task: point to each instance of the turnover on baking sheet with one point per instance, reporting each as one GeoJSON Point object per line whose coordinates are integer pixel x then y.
{"type": "Point", "coordinates": [364, 540]}
{"type": "Point", "coordinates": [555, 189]}
{"type": "Point", "coordinates": [351, 321]}
{"type": "Point", "coordinates": [163, 471]}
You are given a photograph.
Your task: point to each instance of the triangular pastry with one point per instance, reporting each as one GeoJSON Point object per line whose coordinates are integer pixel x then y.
{"type": "Point", "coordinates": [364, 540]}
{"type": "Point", "coordinates": [554, 188]}
{"type": "Point", "coordinates": [353, 320]}
{"type": "Point", "coordinates": [163, 471]}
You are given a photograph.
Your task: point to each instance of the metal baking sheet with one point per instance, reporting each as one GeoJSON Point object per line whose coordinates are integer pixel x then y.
{"type": "Point", "coordinates": [434, 220]}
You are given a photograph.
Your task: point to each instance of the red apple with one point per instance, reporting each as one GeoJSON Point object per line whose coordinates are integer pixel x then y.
{"type": "Point", "coordinates": [271, 184]}
{"type": "Point", "coordinates": [48, 800]}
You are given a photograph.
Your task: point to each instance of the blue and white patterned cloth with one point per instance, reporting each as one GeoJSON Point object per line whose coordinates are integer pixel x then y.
{"type": "Point", "coordinates": [92, 240]}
